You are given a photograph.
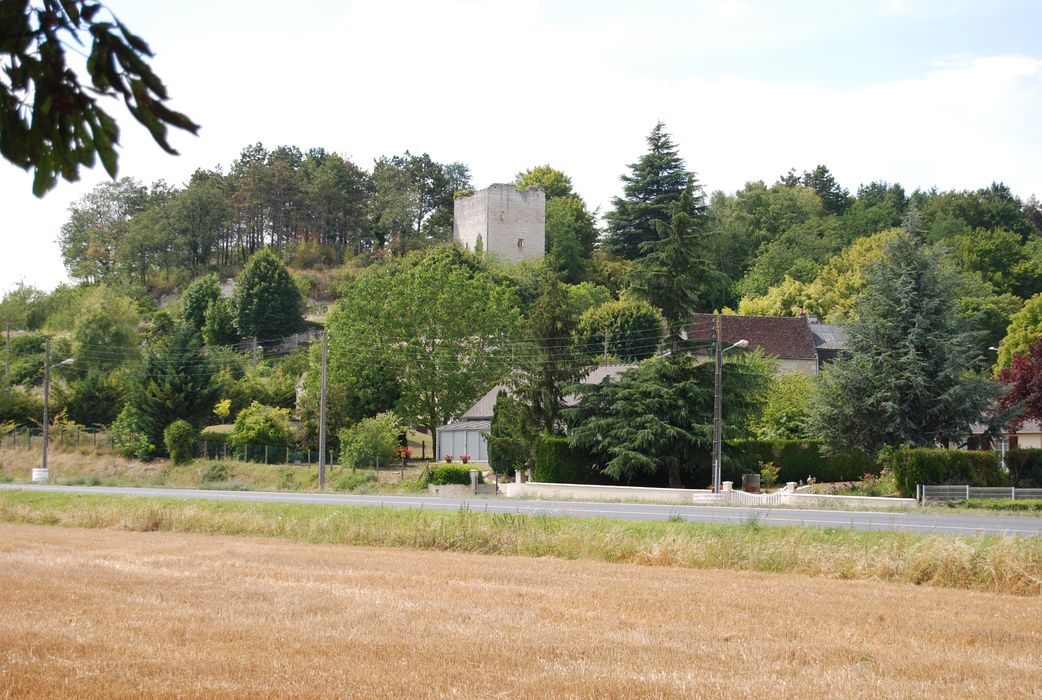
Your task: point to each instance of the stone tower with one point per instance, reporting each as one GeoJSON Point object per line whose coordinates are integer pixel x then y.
{"type": "Point", "coordinates": [507, 222]}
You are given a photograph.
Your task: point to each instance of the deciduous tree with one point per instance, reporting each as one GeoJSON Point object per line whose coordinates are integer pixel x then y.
{"type": "Point", "coordinates": [52, 123]}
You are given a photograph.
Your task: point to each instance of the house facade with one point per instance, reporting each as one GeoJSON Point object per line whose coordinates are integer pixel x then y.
{"type": "Point", "coordinates": [465, 435]}
{"type": "Point", "coordinates": [799, 344]}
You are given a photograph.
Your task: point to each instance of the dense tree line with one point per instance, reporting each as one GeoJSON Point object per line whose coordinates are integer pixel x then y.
{"type": "Point", "coordinates": [422, 329]}
{"type": "Point", "coordinates": [311, 207]}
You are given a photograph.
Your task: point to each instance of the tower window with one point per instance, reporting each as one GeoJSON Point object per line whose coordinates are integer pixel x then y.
{"type": "Point", "coordinates": [520, 243]}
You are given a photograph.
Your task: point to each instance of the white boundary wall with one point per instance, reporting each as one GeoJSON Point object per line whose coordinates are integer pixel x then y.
{"type": "Point", "coordinates": [588, 492]}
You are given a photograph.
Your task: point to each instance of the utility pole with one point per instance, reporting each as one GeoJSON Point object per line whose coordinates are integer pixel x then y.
{"type": "Point", "coordinates": [322, 417]}
{"type": "Point", "coordinates": [46, 396]}
{"type": "Point", "coordinates": [717, 404]}
{"type": "Point", "coordinates": [254, 352]}
{"type": "Point", "coordinates": [605, 345]}
{"type": "Point", "coordinates": [7, 359]}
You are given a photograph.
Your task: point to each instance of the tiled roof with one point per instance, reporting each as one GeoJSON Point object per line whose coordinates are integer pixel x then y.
{"type": "Point", "coordinates": [783, 337]}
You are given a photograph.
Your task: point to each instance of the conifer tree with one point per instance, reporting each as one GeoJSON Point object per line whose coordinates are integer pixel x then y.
{"type": "Point", "coordinates": [912, 378]}
{"type": "Point", "coordinates": [657, 180]}
{"type": "Point", "coordinates": [178, 383]}
{"type": "Point", "coordinates": [673, 273]}
{"type": "Point", "coordinates": [267, 301]}
{"type": "Point", "coordinates": [554, 361]}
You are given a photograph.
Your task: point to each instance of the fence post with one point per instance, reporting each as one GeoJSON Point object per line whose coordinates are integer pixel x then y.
{"type": "Point", "coordinates": [1012, 493]}
{"type": "Point", "coordinates": [967, 492]}
{"type": "Point", "coordinates": [265, 454]}
{"type": "Point", "coordinates": [918, 493]}
{"type": "Point", "coordinates": [287, 454]}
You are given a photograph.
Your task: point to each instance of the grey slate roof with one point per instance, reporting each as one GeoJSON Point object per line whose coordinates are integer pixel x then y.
{"type": "Point", "coordinates": [482, 409]}
{"type": "Point", "coordinates": [482, 425]}
{"type": "Point", "coordinates": [828, 337]}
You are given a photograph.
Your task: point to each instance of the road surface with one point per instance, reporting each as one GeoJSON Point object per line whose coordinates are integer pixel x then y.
{"type": "Point", "coordinates": [954, 524]}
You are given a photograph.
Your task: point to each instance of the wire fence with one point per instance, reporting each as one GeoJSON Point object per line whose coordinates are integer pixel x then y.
{"type": "Point", "coordinates": [100, 440]}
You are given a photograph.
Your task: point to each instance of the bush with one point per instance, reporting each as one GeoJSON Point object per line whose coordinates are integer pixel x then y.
{"type": "Point", "coordinates": [1025, 466]}
{"type": "Point", "coordinates": [216, 472]}
{"type": "Point", "coordinates": [20, 407]}
{"type": "Point", "coordinates": [179, 438]}
{"type": "Point", "coordinates": [450, 474]}
{"type": "Point", "coordinates": [370, 441]}
{"type": "Point", "coordinates": [260, 426]}
{"type": "Point", "coordinates": [940, 466]}
{"type": "Point", "coordinates": [129, 435]}
{"type": "Point", "coordinates": [556, 462]}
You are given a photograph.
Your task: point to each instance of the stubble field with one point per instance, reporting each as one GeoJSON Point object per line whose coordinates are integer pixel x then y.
{"type": "Point", "coordinates": [90, 613]}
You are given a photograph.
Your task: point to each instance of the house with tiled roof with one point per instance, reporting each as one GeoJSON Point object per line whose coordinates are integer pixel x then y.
{"type": "Point", "coordinates": [800, 343]}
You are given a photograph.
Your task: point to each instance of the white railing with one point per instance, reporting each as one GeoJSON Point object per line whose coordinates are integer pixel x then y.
{"type": "Point", "coordinates": [965, 492]}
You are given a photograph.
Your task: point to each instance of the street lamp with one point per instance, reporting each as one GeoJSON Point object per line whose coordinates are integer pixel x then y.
{"type": "Point", "coordinates": [718, 391]}
{"type": "Point", "coordinates": [42, 474]}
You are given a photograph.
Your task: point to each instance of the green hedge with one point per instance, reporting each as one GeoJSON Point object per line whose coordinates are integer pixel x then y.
{"type": "Point", "coordinates": [796, 460]}
{"type": "Point", "coordinates": [941, 466]}
{"type": "Point", "coordinates": [451, 474]}
{"type": "Point", "coordinates": [557, 463]}
{"type": "Point", "coordinates": [1025, 467]}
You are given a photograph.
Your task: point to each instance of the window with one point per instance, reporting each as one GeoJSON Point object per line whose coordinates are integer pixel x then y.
{"type": "Point", "coordinates": [520, 243]}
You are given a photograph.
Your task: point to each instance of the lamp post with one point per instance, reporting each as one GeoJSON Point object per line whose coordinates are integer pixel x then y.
{"type": "Point", "coordinates": [42, 474]}
{"type": "Point", "coordinates": [718, 391]}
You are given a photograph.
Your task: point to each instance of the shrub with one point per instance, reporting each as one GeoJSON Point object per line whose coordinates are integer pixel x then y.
{"type": "Point", "coordinates": [941, 466]}
{"type": "Point", "coordinates": [1025, 466]}
{"type": "Point", "coordinates": [179, 438]}
{"type": "Point", "coordinates": [768, 474]}
{"type": "Point", "coordinates": [129, 436]}
{"type": "Point", "coordinates": [370, 441]}
{"type": "Point", "coordinates": [216, 472]}
{"type": "Point", "coordinates": [20, 407]}
{"type": "Point", "coordinates": [450, 474]}
{"type": "Point", "coordinates": [260, 426]}
{"type": "Point", "coordinates": [557, 462]}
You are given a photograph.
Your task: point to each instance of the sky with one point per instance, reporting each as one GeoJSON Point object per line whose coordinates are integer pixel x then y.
{"type": "Point", "coordinates": [927, 93]}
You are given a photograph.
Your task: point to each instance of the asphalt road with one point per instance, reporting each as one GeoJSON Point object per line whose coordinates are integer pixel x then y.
{"type": "Point", "coordinates": [955, 524]}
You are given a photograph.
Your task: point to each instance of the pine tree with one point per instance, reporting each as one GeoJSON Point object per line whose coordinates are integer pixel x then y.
{"type": "Point", "coordinates": [178, 383]}
{"type": "Point", "coordinates": [912, 375]}
{"type": "Point", "coordinates": [657, 180]}
{"type": "Point", "coordinates": [554, 361]}
{"type": "Point", "coordinates": [267, 301]}
{"type": "Point", "coordinates": [673, 273]}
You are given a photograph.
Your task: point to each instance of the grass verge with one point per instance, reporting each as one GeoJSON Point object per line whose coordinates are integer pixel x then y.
{"type": "Point", "coordinates": [998, 564]}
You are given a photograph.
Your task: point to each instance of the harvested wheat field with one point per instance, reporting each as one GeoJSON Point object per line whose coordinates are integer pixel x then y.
{"type": "Point", "coordinates": [89, 613]}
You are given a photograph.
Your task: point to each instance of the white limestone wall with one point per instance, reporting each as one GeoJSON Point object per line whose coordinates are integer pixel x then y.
{"type": "Point", "coordinates": [511, 224]}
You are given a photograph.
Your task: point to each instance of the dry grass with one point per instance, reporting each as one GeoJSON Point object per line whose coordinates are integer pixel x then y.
{"type": "Point", "coordinates": [1002, 565]}
{"type": "Point", "coordinates": [85, 466]}
{"type": "Point", "coordinates": [117, 614]}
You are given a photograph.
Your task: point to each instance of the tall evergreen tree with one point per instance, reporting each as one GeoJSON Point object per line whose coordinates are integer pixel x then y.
{"type": "Point", "coordinates": [911, 378]}
{"type": "Point", "coordinates": [657, 419]}
{"type": "Point", "coordinates": [267, 301]}
{"type": "Point", "coordinates": [555, 359]}
{"type": "Point", "coordinates": [673, 273]}
{"type": "Point", "coordinates": [657, 180]}
{"type": "Point", "coordinates": [178, 383]}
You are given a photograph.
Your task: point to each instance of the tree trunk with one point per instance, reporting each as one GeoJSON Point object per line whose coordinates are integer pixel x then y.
{"type": "Point", "coordinates": [674, 477]}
